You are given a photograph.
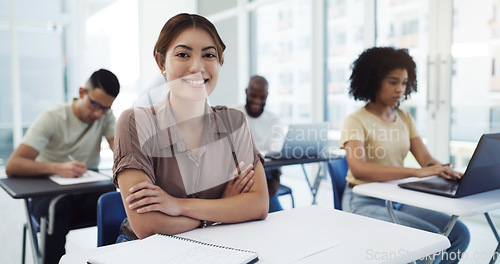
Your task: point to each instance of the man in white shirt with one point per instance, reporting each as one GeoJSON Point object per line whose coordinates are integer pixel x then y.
{"type": "Point", "coordinates": [266, 129]}
{"type": "Point", "coordinates": [66, 140]}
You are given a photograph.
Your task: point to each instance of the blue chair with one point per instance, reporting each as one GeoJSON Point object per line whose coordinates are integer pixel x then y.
{"type": "Point", "coordinates": [110, 215]}
{"type": "Point", "coordinates": [338, 171]}
{"type": "Point", "coordinates": [285, 190]}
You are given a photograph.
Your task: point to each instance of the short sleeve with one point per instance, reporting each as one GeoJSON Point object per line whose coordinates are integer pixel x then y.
{"type": "Point", "coordinates": [127, 150]}
{"type": "Point", "coordinates": [351, 130]}
{"type": "Point", "coordinates": [109, 125]}
{"type": "Point", "coordinates": [40, 131]}
{"type": "Point", "coordinates": [247, 148]}
{"type": "Point", "coordinates": [241, 135]}
{"type": "Point", "coordinates": [412, 126]}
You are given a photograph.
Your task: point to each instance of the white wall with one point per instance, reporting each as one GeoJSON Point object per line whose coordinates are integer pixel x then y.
{"type": "Point", "coordinates": [226, 92]}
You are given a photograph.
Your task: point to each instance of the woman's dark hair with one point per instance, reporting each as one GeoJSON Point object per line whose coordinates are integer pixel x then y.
{"type": "Point", "coordinates": [181, 22]}
{"type": "Point", "coordinates": [373, 65]}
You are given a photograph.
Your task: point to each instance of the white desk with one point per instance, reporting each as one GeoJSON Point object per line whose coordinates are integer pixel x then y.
{"type": "Point", "coordinates": [471, 205]}
{"type": "Point", "coordinates": [341, 237]}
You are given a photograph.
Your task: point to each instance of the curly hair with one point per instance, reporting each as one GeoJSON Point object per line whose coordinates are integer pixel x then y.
{"type": "Point", "coordinates": [373, 65]}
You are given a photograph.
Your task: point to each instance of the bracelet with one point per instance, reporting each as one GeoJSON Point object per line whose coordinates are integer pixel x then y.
{"type": "Point", "coordinates": [203, 224]}
{"type": "Point", "coordinates": [432, 164]}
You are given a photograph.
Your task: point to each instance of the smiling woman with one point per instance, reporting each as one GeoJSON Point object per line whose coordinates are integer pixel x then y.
{"type": "Point", "coordinates": [181, 164]}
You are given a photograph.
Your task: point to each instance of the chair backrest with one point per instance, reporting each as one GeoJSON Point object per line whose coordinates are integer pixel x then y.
{"type": "Point", "coordinates": [338, 171]}
{"type": "Point", "coordinates": [110, 215]}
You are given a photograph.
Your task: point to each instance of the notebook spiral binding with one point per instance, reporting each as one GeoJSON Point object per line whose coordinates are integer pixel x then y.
{"type": "Point", "coordinates": [206, 244]}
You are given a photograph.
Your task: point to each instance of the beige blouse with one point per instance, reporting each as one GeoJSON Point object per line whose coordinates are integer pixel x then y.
{"type": "Point", "coordinates": [384, 143]}
{"type": "Point", "coordinates": [148, 139]}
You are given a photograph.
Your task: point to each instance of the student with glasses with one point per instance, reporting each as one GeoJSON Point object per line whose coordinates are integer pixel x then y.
{"type": "Point", "coordinates": [66, 140]}
{"type": "Point", "coordinates": [95, 106]}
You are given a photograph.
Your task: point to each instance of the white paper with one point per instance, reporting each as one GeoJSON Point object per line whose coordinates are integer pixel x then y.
{"type": "Point", "coordinates": [162, 249]}
{"type": "Point", "coordinates": [89, 176]}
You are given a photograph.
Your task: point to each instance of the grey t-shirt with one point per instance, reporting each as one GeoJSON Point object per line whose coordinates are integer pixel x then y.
{"type": "Point", "coordinates": [57, 133]}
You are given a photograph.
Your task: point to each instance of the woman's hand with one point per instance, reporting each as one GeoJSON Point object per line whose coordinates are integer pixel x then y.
{"type": "Point", "coordinates": [241, 183]}
{"type": "Point", "coordinates": [147, 197]}
{"type": "Point", "coordinates": [446, 171]}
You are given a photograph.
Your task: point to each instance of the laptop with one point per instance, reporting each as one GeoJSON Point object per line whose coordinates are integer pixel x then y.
{"type": "Point", "coordinates": [303, 141]}
{"type": "Point", "coordinates": [482, 173]}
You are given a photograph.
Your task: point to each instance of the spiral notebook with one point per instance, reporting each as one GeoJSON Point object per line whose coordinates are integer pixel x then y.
{"type": "Point", "coordinates": [174, 249]}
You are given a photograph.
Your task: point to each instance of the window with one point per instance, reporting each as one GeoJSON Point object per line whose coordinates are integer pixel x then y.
{"type": "Point", "coordinates": [42, 29]}
{"type": "Point", "coordinates": [475, 82]}
{"type": "Point", "coordinates": [398, 26]}
{"type": "Point", "coordinates": [345, 27]}
{"type": "Point", "coordinates": [53, 59]}
{"type": "Point", "coordinates": [495, 119]}
{"type": "Point", "coordinates": [281, 32]}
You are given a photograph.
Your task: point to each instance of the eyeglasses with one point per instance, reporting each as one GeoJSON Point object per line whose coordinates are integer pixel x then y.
{"type": "Point", "coordinates": [95, 106]}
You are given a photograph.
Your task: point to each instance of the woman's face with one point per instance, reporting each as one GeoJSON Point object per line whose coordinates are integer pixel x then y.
{"type": "Point", "coordinates": [393, 87]}
{"type": "Point", "coordinates": [191, 64]}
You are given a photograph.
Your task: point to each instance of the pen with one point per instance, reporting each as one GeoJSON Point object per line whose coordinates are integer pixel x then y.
{"type": "Point", "coordinates": [73, 159]}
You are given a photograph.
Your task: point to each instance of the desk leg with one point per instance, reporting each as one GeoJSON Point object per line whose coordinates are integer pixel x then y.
{"type": "Point", "coordinates": [495, 232]}
{"type": "Point", "coordinates": [43, 237]}
{"type": "Point", "coordinates": [388, 204]}
{"type": "Point", "coordinates": [313, 187]}
{"type": "Point", "coordinates": [495, 254]}
{"type": "Point", "coordinates": [34, 240]}
{"type": "Point", "coordinates": [444, 232]}
{"type": "Point", "coordinates": [52, 212]}
{"type": "Point", "coordinates": [449, 226]}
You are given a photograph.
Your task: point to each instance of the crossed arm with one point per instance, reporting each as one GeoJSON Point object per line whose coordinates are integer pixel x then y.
{"type": "Point", "coordinates": [367, 171]}
{"type": "Point", "coordinates": [151, 210]}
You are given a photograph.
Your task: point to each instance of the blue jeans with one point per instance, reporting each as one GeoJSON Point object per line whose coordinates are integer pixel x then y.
{"type": "Point", "coordinates": [411, 216]}
{"type": "Point", "coordinates": [273, 183]}
{"type": "Point", "coordinates": [122, 237]}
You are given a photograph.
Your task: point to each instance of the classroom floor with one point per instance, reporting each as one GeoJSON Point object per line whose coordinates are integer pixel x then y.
{"type": "Point", "coordinates": [12, 217]}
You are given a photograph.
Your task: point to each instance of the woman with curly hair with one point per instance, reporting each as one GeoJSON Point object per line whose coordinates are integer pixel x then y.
{"type": "Point", "coordinates": [378, 136]}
